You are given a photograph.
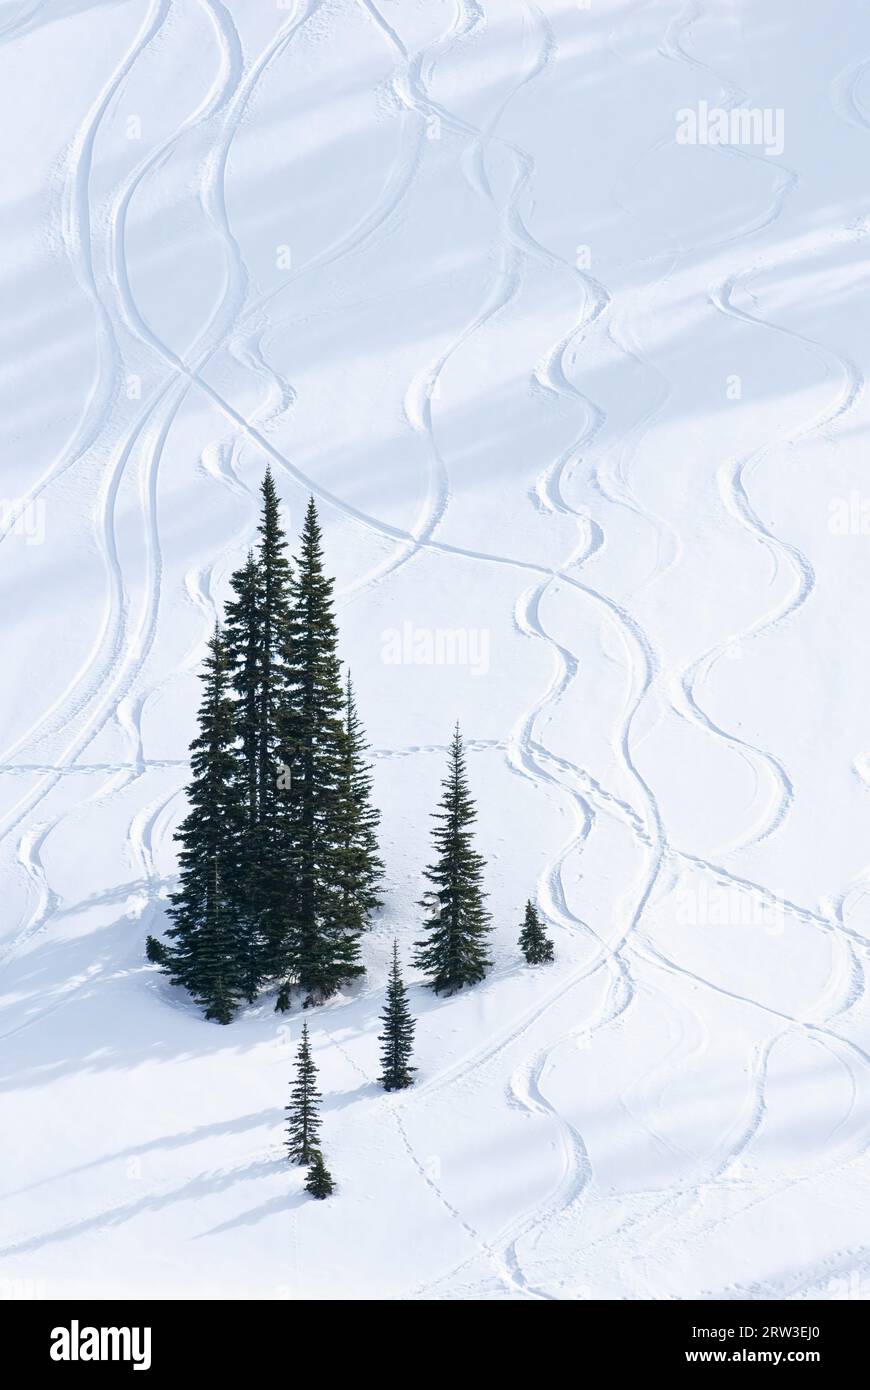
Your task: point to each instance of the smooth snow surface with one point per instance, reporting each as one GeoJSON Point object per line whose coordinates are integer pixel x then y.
{"type": "Point", "coordinates": [587, 398]}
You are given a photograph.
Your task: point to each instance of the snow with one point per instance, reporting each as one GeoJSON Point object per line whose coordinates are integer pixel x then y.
{"type": "Point", "coordinates": [563, 385]}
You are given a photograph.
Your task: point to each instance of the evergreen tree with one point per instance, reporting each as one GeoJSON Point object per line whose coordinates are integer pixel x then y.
{"type": "Point", "coordinates": [397, 1039]}
{"type": "Point", "coordinates": [243, 635]}
{"type": "Point", "coordinates": [279, 866]}
{"type": "Point", "coordinates": [303, 1121]}
{"type": "Point", "coordinates": [319, 1180]}
{"type": "Point", "coordinates": [274, 591]}
{"type": "Point", "coordinates": [243, 638]}
{"type": "Point", "coordinates": [257, 622]}
{"type": "Point", "coordinates": [202, 950]}
{"type": "Point", "coordinates": [535, 945]}
{"type": "Point", "coordinates": [359, 869]}
{"type": "Point", "coordinates": [320, 947]}
{"type": "Point", "coordinates": [155, 951]}
{"type": "Point", "coordinates": [217, 985]}
{"type": "Point", "coordinates": [454, 953]}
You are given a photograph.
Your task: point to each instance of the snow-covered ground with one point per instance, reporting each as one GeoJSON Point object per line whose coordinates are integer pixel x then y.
{"type": "Point", "coordinates": [584, 394]}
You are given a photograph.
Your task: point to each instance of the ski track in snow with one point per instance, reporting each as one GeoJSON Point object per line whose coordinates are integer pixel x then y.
{"type": "Point", "coordinates": [126, 652]}
{"type": "Point", "coordinates": [733, 481]}
{"type": "Point", "coordinates": [112, 683]}
{"type": "Point", "coordinates": [736, 498]}
{"type": "Point", "coordinates": [852, 386]}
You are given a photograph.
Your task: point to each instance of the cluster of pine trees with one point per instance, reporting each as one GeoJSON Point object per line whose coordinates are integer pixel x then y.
{"type": "Point", "coordinates": [397, 1073]}
{"type": "Point", "coordinates": [279, 869]}
{"type": "Point", "coordinates": [279, 864]}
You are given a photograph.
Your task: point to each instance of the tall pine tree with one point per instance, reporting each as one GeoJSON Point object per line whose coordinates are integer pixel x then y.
{"type": "Point", "coordinates": [202, 954]}
{"type": "Point", "coordinates": [303, 1117]}
{"type": "Point", "coordinates": [279, 866]}
{"type": "Point", "coordinates": [535, 945]}
{"type": "Point", "coordinates": [257, 623]}
{"type": "Point", "coordinates": [320, 947]}
{"type": "Point", "coordinates": [274, 594]}
{"type": "Point", "coordinates": [274, 591]}
{"type": "Point", "coordinates": [243, 633]}
{"type": "Point", "coordinates": [359, 869]}
{"type": "Point", "coordinates": [454, 952]}
{"type": "Point", "coordinates": [397, 1039]}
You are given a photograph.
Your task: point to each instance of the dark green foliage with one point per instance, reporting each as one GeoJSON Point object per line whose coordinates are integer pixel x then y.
{"type": "Point", "coordinates": [218, 984]}
{"type": "Point", "coordinates": [358, 868]}
{"type": "Point", "coordinates": [244, 649]}
{"type": "Point", "coordinates": [320, 946]}
{"type": "Point", "coordinates": [454, 952]}
{"type": "Point", "coordinates": [535, 945]}
{"type": "Point", "coordinates": [274, 595]}
{"type": "Point", "coordinates": [303, 1117]}
{"type": "Point", "coordinates": [257, 621]}
{"type": "Point", "coordinates": [202, 955]}
{"type": "Point", "coordinates": [319, 1180]}
{"type": "Point", "coordinates": [279, 868]}
{"type": "Point", "coordinates": [155, 951]}
{"type": "Point", "coordinates": [243, 638]}
{"type": "Point", "coordinates": [397, 1038]}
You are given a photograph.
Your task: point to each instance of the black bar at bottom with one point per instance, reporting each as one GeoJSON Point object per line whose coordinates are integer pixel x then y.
{"type": "Point", "coordinates": [155, 1337]}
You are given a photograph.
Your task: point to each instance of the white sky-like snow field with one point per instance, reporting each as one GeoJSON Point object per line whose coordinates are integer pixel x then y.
{"type": "Point", "coordinates": [589, 398]}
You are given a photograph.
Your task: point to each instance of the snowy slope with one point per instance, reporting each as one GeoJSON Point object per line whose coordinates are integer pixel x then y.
{"type": "Point", "coordinates": [590, 396]}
